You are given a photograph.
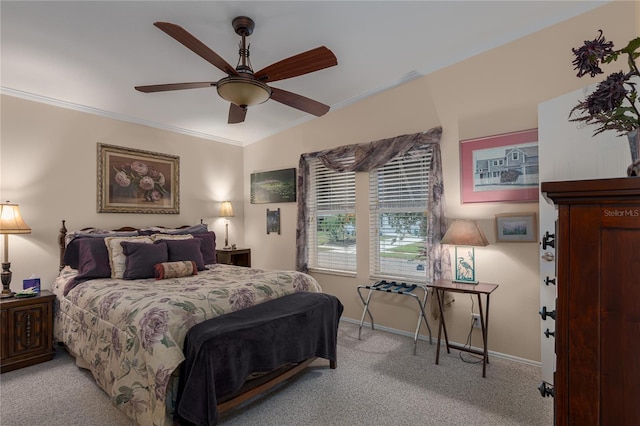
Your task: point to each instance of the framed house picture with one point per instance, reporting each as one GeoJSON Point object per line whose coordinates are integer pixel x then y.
{"type": "Point", "coordinates": [500, 168]}
{"type": "Point", "coordinates": [136, 181]}
{"type": "Point", "coordinates": [516, 228]}
{"type": "Point", "coordinates": [277, 186]}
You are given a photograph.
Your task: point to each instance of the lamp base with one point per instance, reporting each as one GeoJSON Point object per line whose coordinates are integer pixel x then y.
{"type": "Point", "coordinates": [465, 265]}
{"type": "Point", "coordinates": [465, 282]}
{"type": "Point", "coordinates": [6, 281]}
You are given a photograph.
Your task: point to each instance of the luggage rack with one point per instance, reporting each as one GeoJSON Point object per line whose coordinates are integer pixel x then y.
{"type": "Point", "coordinates": [396, 288]}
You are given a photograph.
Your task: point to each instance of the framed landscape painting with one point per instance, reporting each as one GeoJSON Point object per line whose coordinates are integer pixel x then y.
{"type": "Point", "coordinates": [278, 186]}
{"type": "Point", "coordinates": [500, 168]}
{"type": "Point", "coordinates": [516, 228]}
{"type": "Point", "coordinates": [136, 181]}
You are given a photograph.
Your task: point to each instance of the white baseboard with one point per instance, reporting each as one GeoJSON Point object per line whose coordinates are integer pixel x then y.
{"type": "Point", "coordinates": [434, 332]}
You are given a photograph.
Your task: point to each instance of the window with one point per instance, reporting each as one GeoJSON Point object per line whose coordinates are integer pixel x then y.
{"type": "Point", "coordinates": [332, 219]}
{"type": "Point", "coordinates": [398, 219]}
{"type": "Point", "coordinates": [397, 195]}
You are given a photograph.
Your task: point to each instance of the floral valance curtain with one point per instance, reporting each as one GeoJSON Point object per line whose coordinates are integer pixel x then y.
{"type": "Point", "coordinates": [371, 155]}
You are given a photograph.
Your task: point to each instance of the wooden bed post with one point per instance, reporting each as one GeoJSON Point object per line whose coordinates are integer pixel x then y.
{"type": "Point", "coordinates": [62, 243]}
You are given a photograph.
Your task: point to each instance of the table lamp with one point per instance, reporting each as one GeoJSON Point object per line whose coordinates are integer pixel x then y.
{"type": "Point", "coordinates": [226, 211]}
{"type": "Point", "coordinates": [10, 223]}
{"type": "Point", "coordinates": [465, 234]}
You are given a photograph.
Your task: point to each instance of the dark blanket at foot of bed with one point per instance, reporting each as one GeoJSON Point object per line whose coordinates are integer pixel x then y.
{"type": "Point", "coordinates": [222, 352]}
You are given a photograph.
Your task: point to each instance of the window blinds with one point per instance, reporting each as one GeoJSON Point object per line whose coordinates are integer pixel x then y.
{"type": "Point", "coordinates": [331, 205]}
{"type": "Point", "coordinates": [398, 221]}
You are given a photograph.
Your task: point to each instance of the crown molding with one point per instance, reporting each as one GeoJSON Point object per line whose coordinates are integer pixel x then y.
{"type": "Point", "coordinates": [108, 114]}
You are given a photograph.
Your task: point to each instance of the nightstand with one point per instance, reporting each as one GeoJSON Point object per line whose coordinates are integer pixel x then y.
{"type": "Point", "coordinates": [238, 257]}
{"type": "Point", "coordinates": [27, 331]}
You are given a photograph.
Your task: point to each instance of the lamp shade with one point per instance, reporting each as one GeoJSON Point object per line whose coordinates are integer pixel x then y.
{"type": "Point", "coordinates": [464, 232]}
{"type": "Point", "coordinates": [11, 221]}
{"type": "Point", "coordinates": [243, 91]}
{"type": "Point", "coordinates": [226, 209]}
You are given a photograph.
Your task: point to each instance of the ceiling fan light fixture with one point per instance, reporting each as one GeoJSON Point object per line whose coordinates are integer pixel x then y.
{"type": "Point", "coordinates": [243, 91]}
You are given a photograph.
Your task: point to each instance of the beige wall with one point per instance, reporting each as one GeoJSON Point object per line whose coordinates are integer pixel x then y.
{"type": "Point", "coordinates": [48, 166]}
{"type": "Point", "coordinates": [492, 93]}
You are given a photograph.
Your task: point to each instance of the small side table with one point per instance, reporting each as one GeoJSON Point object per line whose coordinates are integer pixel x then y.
{"type": "Point", "coordinates": [237, 257]}
{"type": "Point", "coordinates": [26, 326]}
{"type": "Point", "coordinates": [479, 289]}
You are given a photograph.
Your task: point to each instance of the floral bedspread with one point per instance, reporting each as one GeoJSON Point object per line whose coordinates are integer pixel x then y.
{"type": "Point", "coordinates": [131, 333]}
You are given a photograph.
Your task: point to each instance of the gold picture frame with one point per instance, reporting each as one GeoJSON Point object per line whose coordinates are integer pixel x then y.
{"type": "Point", "coordinates": [137, 181]}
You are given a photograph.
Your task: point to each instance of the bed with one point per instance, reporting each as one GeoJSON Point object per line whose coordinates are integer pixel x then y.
{"type": "Point", "coordinates": [127, 323]}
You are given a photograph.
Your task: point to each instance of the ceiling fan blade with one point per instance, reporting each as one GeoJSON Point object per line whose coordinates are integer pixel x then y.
{"type": "Point", "coordinates": [236, 114]}
{"type": "Point", "coordinates": [199, 48]}
{"type": "Point", "coordinates": [299, 102]}
{"type": "Point", "coordinates": [303, 63]}
{"type": "Point", "coordinates": [174, 86]}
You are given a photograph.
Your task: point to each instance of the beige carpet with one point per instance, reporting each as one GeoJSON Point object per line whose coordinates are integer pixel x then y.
{"type": "Point", "coordinates": [378, 382]}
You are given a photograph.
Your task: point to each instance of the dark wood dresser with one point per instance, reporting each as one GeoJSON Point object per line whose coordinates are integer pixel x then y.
{"type": "Point", "coordinates": [27, 331]}
{"type": "Point", "coordinates": [597, 377]}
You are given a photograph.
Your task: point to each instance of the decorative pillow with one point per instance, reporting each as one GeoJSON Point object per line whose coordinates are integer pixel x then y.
{"type": "Point", "coordinates": [185, 250]}
{"type": "Point", "coordinates": [141, 258]}
{"type": "Point", "coordinates": [175, 269]}
{"type": "Point", "coordinates": [93, 259]}
{"type": "Point", "coordinates": [97, 233]}
{"type": "Point", "coordinates": [93, 262]}
{"type": "Point", "coordinates": [195, 229]}
{"type": "Point", "coordinates": [116, 257]}
{"type": "Point", "coordinates": [72, 241]}
{"type": "Point", "coordinates": [72, 252]}
{"type": "Point", "coordinates": [208, 247]}
{"type": "Point", "coordinates": [158, 237]}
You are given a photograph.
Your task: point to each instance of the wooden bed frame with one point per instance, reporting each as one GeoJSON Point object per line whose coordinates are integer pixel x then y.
{"type": "Point", "coordinates": [251, 388]}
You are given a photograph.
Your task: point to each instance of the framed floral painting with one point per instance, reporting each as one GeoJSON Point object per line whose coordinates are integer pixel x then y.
{"type": "Point", "coordinates": [500, 168]}
{"type": "Point", "coordinates": [136, 181]}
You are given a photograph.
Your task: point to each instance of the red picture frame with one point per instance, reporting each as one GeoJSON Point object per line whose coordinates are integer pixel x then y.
{"type": "Point", "coordinates": [500, 168]}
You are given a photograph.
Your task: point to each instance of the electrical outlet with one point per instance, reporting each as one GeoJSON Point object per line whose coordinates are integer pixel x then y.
{"type": "Point", "coordinates": [476, 320]}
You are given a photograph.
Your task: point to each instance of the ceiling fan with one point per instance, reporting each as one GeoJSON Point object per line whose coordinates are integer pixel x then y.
{"type": "Point", "coordinates": [242, 87]}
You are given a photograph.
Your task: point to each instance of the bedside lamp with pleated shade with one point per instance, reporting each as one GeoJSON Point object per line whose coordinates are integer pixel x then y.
{"type": "Point", "coordinates": [10, 223]}
{"type": "Point", "coordinates": [226, 211]}
{"type": "Point", "coordinates": [465, 235]}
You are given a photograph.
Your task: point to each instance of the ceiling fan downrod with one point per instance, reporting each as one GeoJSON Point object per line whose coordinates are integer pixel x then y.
{"type": "Point", "coordinates": [244, 26]}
